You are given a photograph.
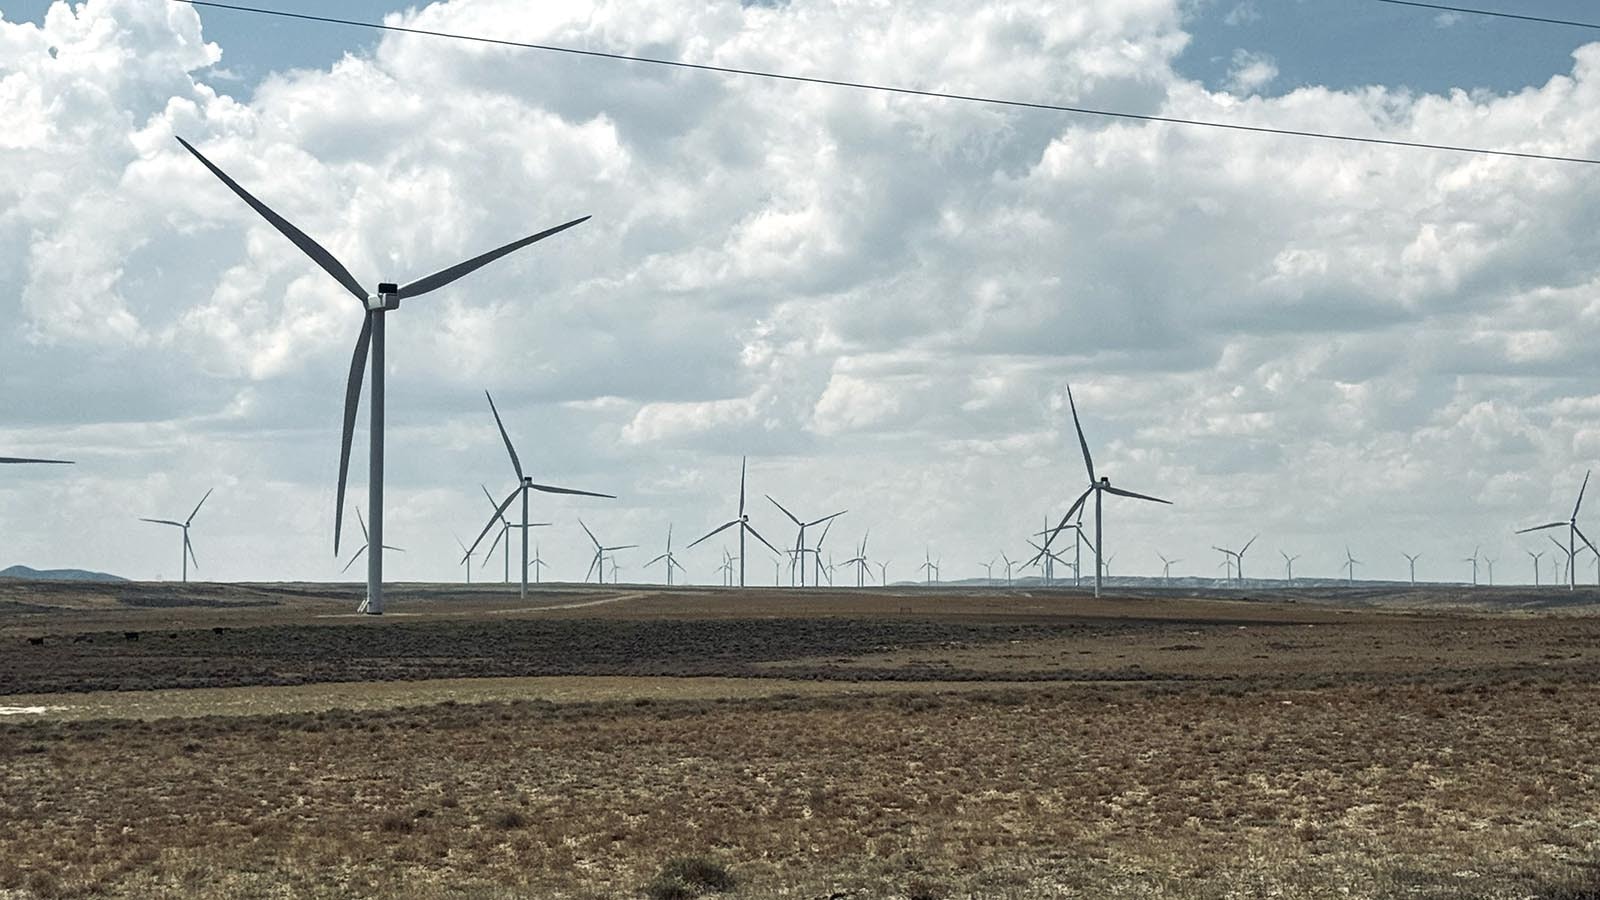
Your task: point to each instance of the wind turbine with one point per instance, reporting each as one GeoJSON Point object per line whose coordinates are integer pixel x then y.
{"type": "Point", "coordinates": [863, 569]}
{"type": "Point", "coordinates": [929, 566]}
{"type": "Point", "coordinates": [1490, 563]}
{"type": "Point", "coordinates": [1108, 564]}
{"type": "Point", "coordinates": [743, 523]}
{"type": "Point", "coordinates": [466, 558]}
{"type": "Point", "coordinates": [800, 542]}
{"type": "Point", "coordinates": [1350, 562]}
{"type": "Point", "coordinates": [187, 552]}
{"type": "Point", "coordinates": [1166, 569]}
{"type": "Point", "coordinates": [1412, 560]}
{"type": "Point", "coordinates": [1007, 560]}
{"type": "Point", "coordinates": [988, 572]}
{"type": "Point", "coordinates": [1288, 565]}
{"type": "Point", "coordinates": [505, 534]}
{"type": "Point", "coordinates": [1045, 559]}
{"type": "Point", "coordinates": [524, 485]}
{"type": "Point", "coordinates": [1535, 557]}
{"type": "Point", "coordinates": [536, 564]}
{"type": "Point", "coordinates": [1238, 557]}
{"type": "Point", "coordinates": [883, 572]}
{"type": "Point", "coordinates": [369, 342]}
{"type": "Point", "coordinates": [600, 554]}
{"type": "Point", "coordinates": [1565, 552]}
{"type": "Point", "coordinates": [366, 541]}
{"type": "Point", "coordinates": [669, 558]}
{"type": "Point", "coordinates": [1099, 488]}
{"type": "Point", "coordinates": [1474, 560]}
{"type": "Point", "coordinates": [1227, 560]}
{"type": "Point", "coordinates": [1574, 533]}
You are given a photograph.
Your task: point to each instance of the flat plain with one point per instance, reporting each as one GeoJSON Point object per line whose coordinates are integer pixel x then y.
{"type": "Point", "coordinates": [261, 741]}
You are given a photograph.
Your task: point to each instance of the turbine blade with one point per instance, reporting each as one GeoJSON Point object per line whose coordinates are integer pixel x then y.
{"type": "Point", "coordinates": [198, 505]}
{"type": "Point", "coordinates": [825, 519]}
{"type": "Point", "coordinates": [395, 549]}
{"type": "Point", "coordinates": [1122, 493]}
{"type": "Point", "coordinates": [189, 546]}
{"type": "Point", "coordinates": [716, 530]}
{"type": "Point", "coordinates": [1580, 495]}
{"type": "Point", "coordinates": [1543, 527]}
{"type": "Point", "coordinates": [24, 459]}
{"type": "Point", "coordinates": [444, 276]}
{"type": "Point", "coordinates": [762, 539]}
{"type": "Point", "coordinates": [515, 463]}
{"type": "Point", "coordinates": [1076, 505]}
{"type": "Point", "coordinates": [742, 461]}
{"type": "Point", "coordinates": [590, 534]}
{"type": "Point", "coordinates": [1088, 461]}
{"type": "Point", "coordinates": [352, 401]}
{"type": "Point", "coordinates": [308, 246]}
{"type": "Point", "coordinates": [656, 560]}
{"type": "Point", "coordinates": [1247, 545]}
{"type": "Point", "coordinates": [497, 517]}
{"type": "Point", "coordinates": [549, 489]}
{"type": "Point", "coordinates": [1586, 540]}
{"type": "Point", "coordinates": [786, 512]}
{"type": "Point", "coordinates": [352, 560]}
{"type": "Point", "coordinates": [496, 542]}
{"type": "Point", "coordinates": [363, 523]}
{"type": "Point", "coordinates": [162, 522]}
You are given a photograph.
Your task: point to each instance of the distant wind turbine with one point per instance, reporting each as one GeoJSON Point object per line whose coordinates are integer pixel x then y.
{"type": "Point", "coordinates": [1099, 488]}
{"type": "Point", "coordinates": [1574, 533]}
{"type": "Point", "coordinates": [187, 551]}
{"type": "Point", "coordinates": [370, 342]}
{"type": "Point", "coordinates": [597, 565]}
{"type": "Point", "coordinates": [505, 534]}
{"type": "Point", "coordinates": [863, 568]}
{"type": "Point", "coordinates": [742, 522]}
{"type": "Point", "coordinates": [668, 558]}
{"type": "Point", "coordinates": [1412, 560]}
{"type": "Point", "coordinates": [524, 486]}
{"type": "Point", "coordinates": [929, 566]}
{"type": "Point", "coordinates": [800, 542]}
{"type": "Point", "coordinates": [1474, 560]}
{"type": "Point", "coordinates": [1288, 565]}
{"type": "Point", "coordinates": [366, 541]}
{"type": "Point", "coordinates": [1166, 569]}
{"type": "Point", "coordinates": [466, 558]}
{"type": "Point", "coordinates": [883, 572]}
{"type": "Point", "coordinates": [1350, 562]}
{"type": "Point", "coordinates": [1490, 563]}
{"type": "Point", "coordinates": [1238, 557]}
{"type": "Point", "coordinates": [988, 572]}
{"type": "Point", "coordinates": [1007, 560]}
{"type": "Point", "coordinates": [536, 564]}
{"type": "Point", "coordinates": [1535, 557]}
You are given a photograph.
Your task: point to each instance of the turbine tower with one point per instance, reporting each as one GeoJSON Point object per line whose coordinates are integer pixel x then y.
{"type": "Point", "coordinates": [1411, 559]}
{"type": "Point", "coordinates": [1574, 533]}
{"type": "Point", "coordinates": [369, 342]}
{"type": "Point", "coordinates": [524, 486]}
{"type": "Point", "coordinates": [743, 523]}
{"type": "Point", "coordinates": [1099, 488]}
{"type": "Point", "coordinates": [800, 542]}
{"type": "Point", "coordinates": [187, 551]}
{"type": "Point", "coordinates": [668, 558]}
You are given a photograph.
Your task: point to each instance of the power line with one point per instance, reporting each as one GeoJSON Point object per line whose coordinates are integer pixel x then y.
{"type": "Point", "coordinates": [889, 89]}
{"type": "Point", "coordinates": [1492, 13]}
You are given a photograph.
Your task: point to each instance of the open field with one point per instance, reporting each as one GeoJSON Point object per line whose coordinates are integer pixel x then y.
{"type": "Point", "coordinates": [817, 744]}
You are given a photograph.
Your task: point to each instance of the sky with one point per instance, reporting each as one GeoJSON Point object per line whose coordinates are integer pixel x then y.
{"type": "Point", "coordinates": [879, 300]}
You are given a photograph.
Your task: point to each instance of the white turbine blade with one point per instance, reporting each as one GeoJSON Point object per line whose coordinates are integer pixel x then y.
{"type": "Point", "coordinates": [352, 403]}
{"type": "Point", "coordinates": [719, 529]}
{"type": "Point", "coordinates": [825, 519]}
{"type": "Point", "coordinates": [742, 461]}
{"type": "Point", "coordinates": [1122, 493]}
{"type": "Point", "coordinates": [14, 460]}
{"type": "Point", "coordinates": [395, 549]}
{"type": "Point", "coordinates": [363, 523]}
{"type": "Point", "coordinates": [1543, 527]}
{"type": "Point", "coordinates": [749, 528]}
{"type": "Point", "coordinates": [162, 522]}
{"type": "Point", "coordinates": [352, 560]}
{"type": "Point", "coordinates": [489, 497]}
{"type": "Point", "coordinates": [591, 535]}
{"type": "Point", "coordinates": [656, 560]}
{"type": "Point", "coordinates": [621, 547]}
{"type": "Point", "coordinates": [496, 518]}
{"type": "Point", "coordinates": [786, 512]}
{"type": "Point", "coordinates": [1076, 505]}
{"type": "Point", "coordinates": [515, 463]}
{"type": "Point", "coordinates": [1585, 540]}
{"type": "Point", "coordinates": [549, 489]}
{"type": "Point", "coordinates": [1088, 461]}
{"type": "Point", "coordinates": [198, 505]}
{"type": "Point", "coordinates": [1247, 545]}
{"type": "Point", "coordinates": [444, 276]}
{"type": "Point", "coordinates": [1580, 495]}
{"type": "Point", "coordinates": [308, 246]}
{"type": "Point", "coordinates": [189, 546]}
{"type": "Point", "coordinates": [496, 542]}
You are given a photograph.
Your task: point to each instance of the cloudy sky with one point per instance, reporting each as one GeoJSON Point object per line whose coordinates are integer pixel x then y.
{"type": "Point", "coordinates": [880, 299]}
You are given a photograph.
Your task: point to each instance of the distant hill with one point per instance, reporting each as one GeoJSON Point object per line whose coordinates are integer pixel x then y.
{"type": "Point", "coordinates": [23, 573]}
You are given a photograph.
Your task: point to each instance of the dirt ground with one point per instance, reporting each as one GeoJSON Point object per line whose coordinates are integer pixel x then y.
{"type": "Point", "coordinates": [257, 740]}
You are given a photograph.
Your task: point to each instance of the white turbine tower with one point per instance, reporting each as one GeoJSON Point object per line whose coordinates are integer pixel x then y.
{"type": "Point", "coordinates": [187, 551]}
{"type": "Point", "coordinates": [1099, 487]}
{"type": "Point", "coordinates": [1574, 534]}
{"type": "Point", "coordinates": [370, 342]}
{"type": "Point", "coordinates": [524, 486]}
{"type": "Point", "coordinates": [742, 522]}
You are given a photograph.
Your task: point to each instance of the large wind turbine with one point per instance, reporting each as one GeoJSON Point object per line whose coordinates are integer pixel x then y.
{"type": "Point", "coordinates": [742, 521]}
{"type": "Point", "coordinates": [1166, 569]}
{"type": "Point", "coordinates": [1099, 487]}
{"type": "Point", "coordinates": [800, 542]}
{"type": "Point", "coordinates": [524, 485]}
{"type": "Point", "coordinates": [1238, 557]}
{"type": "Point", "coordinates": [504, 534]}
{"type": "Point", "coordinates": [599, 561]}
{"type": "Point", "coordinates": [668, 558]}
{"type": "Point", "coordinates": [1288, 565]}
{"type": "Point", "coordinates": [187, 552]}
{"type": "Point", "coordinates": [369, 342]}
{"type": "Point", "coordinates": [1574, 533]}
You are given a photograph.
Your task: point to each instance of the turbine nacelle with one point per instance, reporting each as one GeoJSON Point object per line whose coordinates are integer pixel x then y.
{"type": "Point", "coordinates": [387, 297]}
